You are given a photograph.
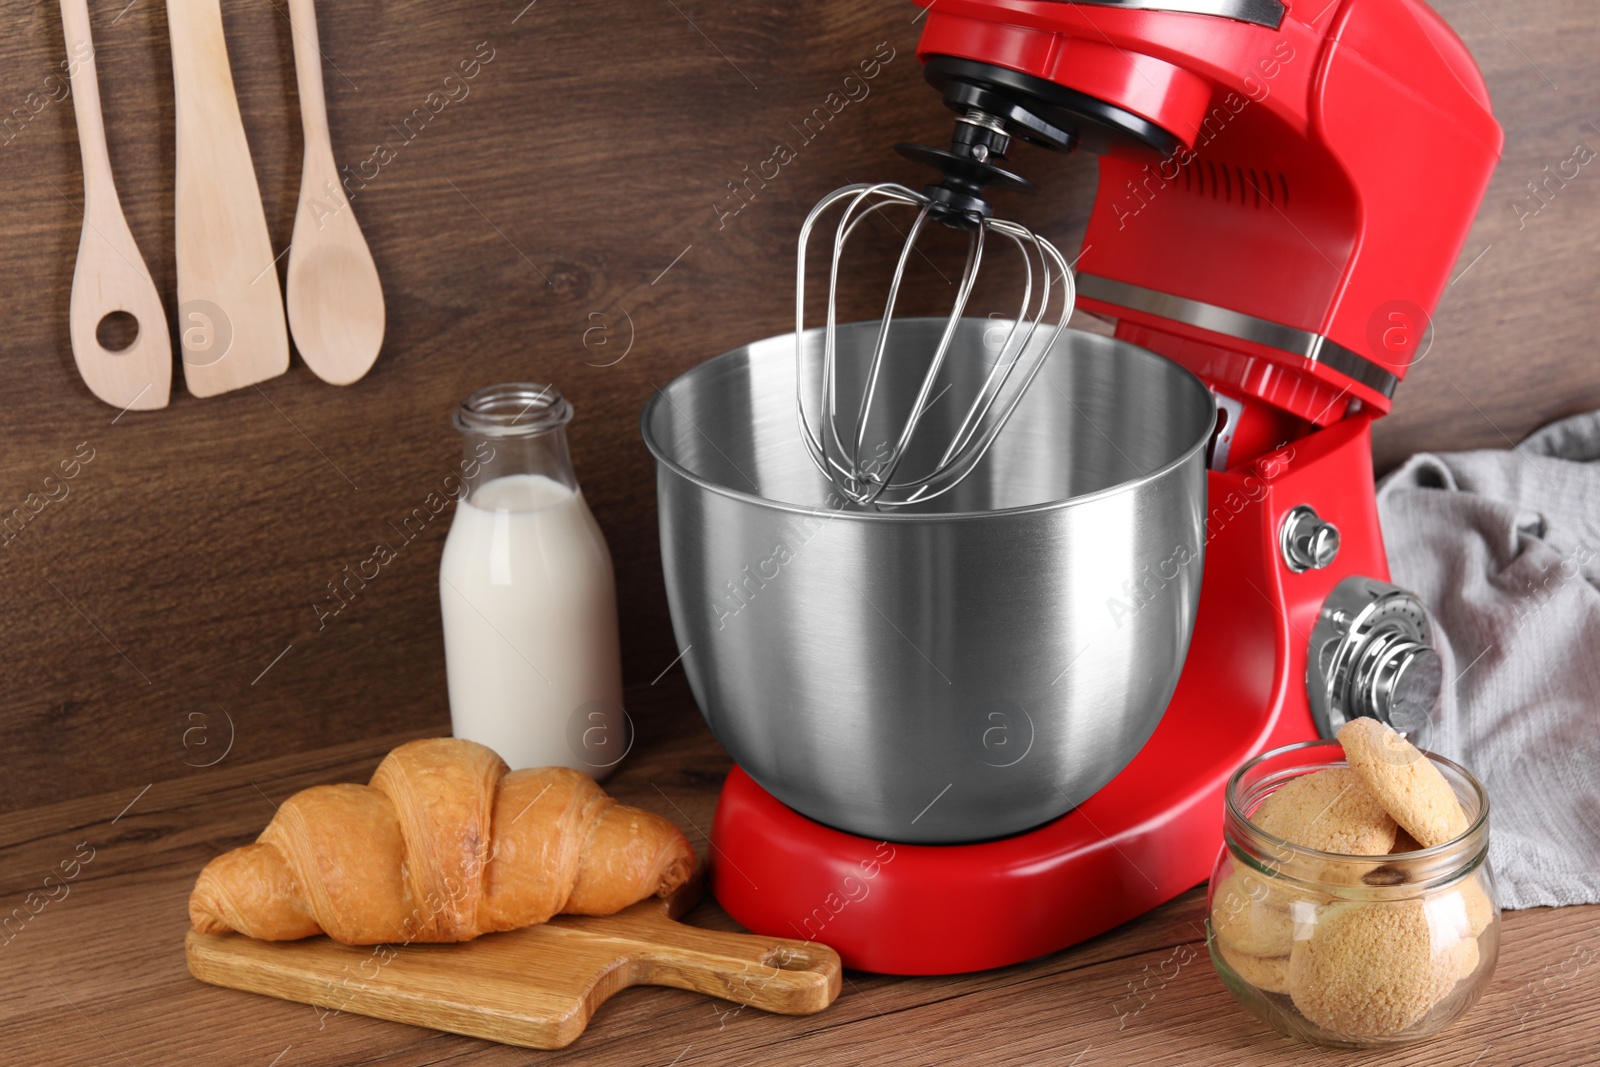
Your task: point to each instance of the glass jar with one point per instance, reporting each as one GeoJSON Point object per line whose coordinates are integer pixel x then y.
{"type": "Point", "coordinates": [527, 592]}
{"type": "Point", "coordinates": [1350, 951]}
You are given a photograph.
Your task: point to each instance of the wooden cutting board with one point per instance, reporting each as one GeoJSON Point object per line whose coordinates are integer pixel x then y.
{"type": "Point", "coordinates": [535, 987]}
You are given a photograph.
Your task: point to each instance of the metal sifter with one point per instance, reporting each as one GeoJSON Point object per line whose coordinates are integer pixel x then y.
{"type": "Point", "coordinates": [894, 468]}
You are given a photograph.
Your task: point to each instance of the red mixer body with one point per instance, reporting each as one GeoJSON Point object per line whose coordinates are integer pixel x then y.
{"type": "Point", "coordinates": [1289, 251]}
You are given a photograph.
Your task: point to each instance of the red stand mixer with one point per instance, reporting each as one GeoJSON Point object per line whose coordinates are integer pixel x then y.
{"type": "Point", "coordinates": [1284, 188]}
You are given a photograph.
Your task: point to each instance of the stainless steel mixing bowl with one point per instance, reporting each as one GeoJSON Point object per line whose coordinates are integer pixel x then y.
{"type": "Point", "coordinates": [963, 669]}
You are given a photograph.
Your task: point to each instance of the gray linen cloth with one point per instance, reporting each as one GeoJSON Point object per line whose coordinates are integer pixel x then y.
{"type": "Point", "coordinates": [1504, 549]}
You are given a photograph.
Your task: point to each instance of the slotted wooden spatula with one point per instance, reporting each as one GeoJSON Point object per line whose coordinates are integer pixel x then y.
{"type": "Point", "coordinates": [535, 987]}
{"type": "Point", "coordinates": [110, 275]}
{"type": "Point", "coordinates": [230, 309]}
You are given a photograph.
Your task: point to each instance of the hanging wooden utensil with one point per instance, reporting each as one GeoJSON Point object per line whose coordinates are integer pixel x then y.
{"type": "Point", "coordinates": [335, 301]}
{"type": "Point", "coordinates": [230, 309]}
{"type": "Point", "coordinates": [110, 276]}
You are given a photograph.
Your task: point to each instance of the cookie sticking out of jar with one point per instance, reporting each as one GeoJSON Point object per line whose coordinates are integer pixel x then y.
{"type": "Point", "coordinates": [1352, 904]}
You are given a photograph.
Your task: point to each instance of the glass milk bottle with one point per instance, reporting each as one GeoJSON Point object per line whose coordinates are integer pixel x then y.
{"type": "Point", "coordinates": [528, 594]}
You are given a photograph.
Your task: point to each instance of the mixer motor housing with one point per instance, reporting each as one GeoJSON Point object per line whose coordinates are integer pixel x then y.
{"type": "Point", "coordinates": [1284, 188]}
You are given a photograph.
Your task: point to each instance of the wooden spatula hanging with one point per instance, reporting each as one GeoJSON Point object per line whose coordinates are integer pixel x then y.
{"type": "Point", "coordinates": [110, 276]}
{"type": "Point", "coordinates": [335, 301]}
{"type": "Point", "coordinates": [230, 309]}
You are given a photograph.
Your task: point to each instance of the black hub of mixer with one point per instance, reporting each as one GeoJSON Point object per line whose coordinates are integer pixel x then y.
{"type": "Point", "coordinates": [959, 200]}
{"type": "Point", "coordinates": [996, 104]}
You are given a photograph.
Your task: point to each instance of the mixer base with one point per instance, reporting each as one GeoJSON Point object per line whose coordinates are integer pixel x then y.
{"type": "Point", "coordinates": [948, 909]}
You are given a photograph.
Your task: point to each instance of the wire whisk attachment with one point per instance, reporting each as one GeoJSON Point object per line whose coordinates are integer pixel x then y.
{"type": "Point", "coordinates": [835, 431]}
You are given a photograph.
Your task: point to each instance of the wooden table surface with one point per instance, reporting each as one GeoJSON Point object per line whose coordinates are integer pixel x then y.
{"type": "Point", "coordinates": [97, 976]}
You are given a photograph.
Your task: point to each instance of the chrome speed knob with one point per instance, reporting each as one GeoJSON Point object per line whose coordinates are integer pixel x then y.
{"type": "Point", "coordinates": [1309, 542]}
{"type": "Point", "coordinates": [1371, 655]}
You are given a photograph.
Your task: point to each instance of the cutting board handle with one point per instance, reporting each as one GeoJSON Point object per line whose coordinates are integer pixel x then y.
{"type": "Point", "coordinates": [771, 973]}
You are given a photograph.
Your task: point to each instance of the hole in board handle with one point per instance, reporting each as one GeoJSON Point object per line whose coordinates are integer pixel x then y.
{"type": "Point", "coordinates": [788, 959]}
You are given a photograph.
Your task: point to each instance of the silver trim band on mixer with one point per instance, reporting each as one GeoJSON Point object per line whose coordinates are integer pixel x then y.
{"type": "Point", "coordinates": [1267, 13]}
{"type": "Point", "coordinates": [1312, 346]}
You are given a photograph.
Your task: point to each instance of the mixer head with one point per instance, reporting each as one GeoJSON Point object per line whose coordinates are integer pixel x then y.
{"type": "Point", "coordinates": [1253, 222]}
{"type": "Point", "coordinates": [1271, 210]}
{"type": "Point", "coordinates": [859, 438]}
{"type": "Point", "coordinates": [995, 106]}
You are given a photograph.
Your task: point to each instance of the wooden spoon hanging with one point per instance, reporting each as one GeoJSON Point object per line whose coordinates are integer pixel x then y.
{"type": "Point", "coordinates": [335, 301]}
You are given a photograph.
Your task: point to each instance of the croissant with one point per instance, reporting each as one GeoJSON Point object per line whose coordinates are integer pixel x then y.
{"type": "Point", "coordinates": [443, 844]}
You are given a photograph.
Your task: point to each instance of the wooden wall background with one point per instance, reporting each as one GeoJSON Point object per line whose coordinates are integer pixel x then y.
{"type": "Point", "coordinates": [527, 232]}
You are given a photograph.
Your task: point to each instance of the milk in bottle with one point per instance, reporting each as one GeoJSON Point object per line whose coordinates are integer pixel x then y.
{"type": "Point", "coordinates": [528, 595]}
